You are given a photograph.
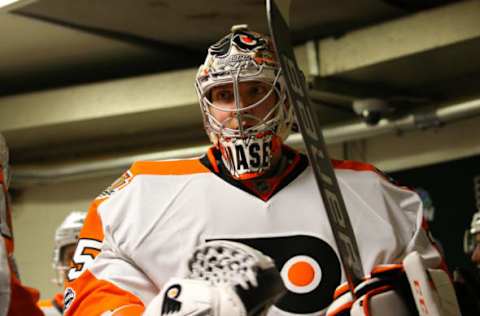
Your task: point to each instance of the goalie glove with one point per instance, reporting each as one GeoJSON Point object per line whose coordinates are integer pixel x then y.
{"type": "Point", "coordinates": [225, 279]}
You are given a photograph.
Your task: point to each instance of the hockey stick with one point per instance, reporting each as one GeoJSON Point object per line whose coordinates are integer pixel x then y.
{"type": "Point", "coordinates": [278, 19]}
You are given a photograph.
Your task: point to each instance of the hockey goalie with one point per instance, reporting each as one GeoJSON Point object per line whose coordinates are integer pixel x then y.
{"type": "Point", "coordinates": [247, 214]}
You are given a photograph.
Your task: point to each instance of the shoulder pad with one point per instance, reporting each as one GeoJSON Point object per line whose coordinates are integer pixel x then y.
{"type": "Point", "coordinates": [164, 167]}
{"type": "Point", "coordinates": [363, 166]}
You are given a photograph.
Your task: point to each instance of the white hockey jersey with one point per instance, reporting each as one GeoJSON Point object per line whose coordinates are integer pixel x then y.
{"type": "Point", "coordinates": [153, 217]}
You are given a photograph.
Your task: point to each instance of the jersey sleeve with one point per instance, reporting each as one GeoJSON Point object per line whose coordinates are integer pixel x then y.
{"type": "Point", "coordinates": [110, 284]}
{"type": "Point", "coordinates": [396, 208]}
{"type": "Point", "coordinates": [102, 278]}
{"type": "Point", "coordinates": [405, 209]}
{"type": "Point", "coordinates": [89, 243]}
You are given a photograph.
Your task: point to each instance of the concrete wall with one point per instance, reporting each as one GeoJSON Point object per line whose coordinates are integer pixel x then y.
{"type": "Point", "coordinates": [37, 212]}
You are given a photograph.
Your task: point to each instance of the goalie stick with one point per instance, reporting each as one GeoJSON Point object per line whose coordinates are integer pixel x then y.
{"type": "Point", "coordinates": [278, 19]}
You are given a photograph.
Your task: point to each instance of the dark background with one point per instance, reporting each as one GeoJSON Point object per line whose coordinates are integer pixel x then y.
{"type": "Point", "coordinates": [450, 185]}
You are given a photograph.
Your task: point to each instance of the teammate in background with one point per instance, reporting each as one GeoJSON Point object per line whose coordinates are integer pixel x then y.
{"type": "Point", "coordinates": [248, 188]}
{"type": "Point", "coordinates": [472, 240]}
{"type": "Point", "coordinates": [66, 237]}
{"type": "Point", "coordinates": [467, 280]}
{"type": "Point", "coordinates": [15, 298]}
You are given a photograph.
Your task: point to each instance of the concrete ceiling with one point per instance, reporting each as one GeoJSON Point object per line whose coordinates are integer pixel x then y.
{"type": "Point", "coordinates": [82, 77]}
{"type": "Point", "coordinates": [83, 41]}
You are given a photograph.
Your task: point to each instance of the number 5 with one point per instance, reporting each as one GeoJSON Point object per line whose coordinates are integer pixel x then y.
{"type": "Point", "coordinates": [85, 253]}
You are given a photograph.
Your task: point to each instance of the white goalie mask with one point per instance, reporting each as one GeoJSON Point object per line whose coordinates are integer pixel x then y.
{"type": "Point", "coordinates": [240, 59]}
{"type": "Point", "coordinates": [4, 160]}
{"type": "Point", "coordinates": [66, 234]}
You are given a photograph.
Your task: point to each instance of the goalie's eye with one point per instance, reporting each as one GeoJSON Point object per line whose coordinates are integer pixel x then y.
{"type": "Point", "coordinates": [223, 94]}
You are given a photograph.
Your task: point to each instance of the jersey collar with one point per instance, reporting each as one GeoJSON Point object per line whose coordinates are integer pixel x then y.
{"type": "Point", "coordinates": [293, 163]}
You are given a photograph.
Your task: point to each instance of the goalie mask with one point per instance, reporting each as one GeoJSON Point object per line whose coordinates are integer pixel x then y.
{"type": "Point", "coordinates": [243, 101]}
{"type": "Point", "coordinates": [66, 237]}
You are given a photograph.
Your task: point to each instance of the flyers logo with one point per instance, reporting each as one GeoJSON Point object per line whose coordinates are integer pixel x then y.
{"type": "Point", "coordinates": [309, 267]}
{"type": "Point", "coordinates": [170, 303]}
{"type": "Point", "coordinates": [248, 41]}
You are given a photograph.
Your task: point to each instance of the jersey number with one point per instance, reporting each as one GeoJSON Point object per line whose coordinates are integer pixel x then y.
{"type": "Point", "coordinates": [85, 253]}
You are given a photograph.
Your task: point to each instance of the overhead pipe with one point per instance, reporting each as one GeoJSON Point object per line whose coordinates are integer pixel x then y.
{"type": "Point", "coordinates": [24, 175]}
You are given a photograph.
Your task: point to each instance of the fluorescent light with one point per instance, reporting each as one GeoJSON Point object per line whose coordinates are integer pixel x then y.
{"type": "Point", "coordinates": [8, 5]}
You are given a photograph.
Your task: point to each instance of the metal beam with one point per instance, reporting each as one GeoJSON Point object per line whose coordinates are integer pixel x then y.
{"type": "Point", "coordinates": [162, 102]}
{"type": "Point", "coordinates": [29, 174]}
{"type": "Point", "coordinates": [100, 100]}
{"type": "Point", "coordinates": [157, 102]}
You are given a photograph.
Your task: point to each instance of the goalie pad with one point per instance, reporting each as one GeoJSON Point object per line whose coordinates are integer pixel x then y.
{"type": "Point", "coordinates": [225, 279]}
{"type": "Point", "coordinates": [432, 289]}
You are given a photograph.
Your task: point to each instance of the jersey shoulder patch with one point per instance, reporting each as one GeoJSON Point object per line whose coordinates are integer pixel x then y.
{"type": "Point", "coordinates": [117, 185]}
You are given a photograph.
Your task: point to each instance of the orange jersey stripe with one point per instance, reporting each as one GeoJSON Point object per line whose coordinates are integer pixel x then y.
{"type": "Point", "coordinates": [353, 165]}
{"type": "Point", "coordinates": [363, 166]}
{"type": "Point", "coordinates": [92, 227]}
{"type": "Point", "coordinates": [94, 297]}
{"type": "Point", "coordinates": [131, 310]}
{"type": "Point", "coordinates": [174, 167]}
